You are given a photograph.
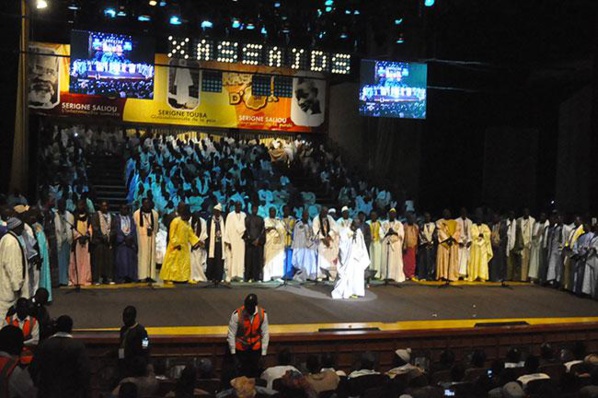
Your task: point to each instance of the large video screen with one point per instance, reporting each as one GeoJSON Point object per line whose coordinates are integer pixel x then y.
{"type": "Point", "coordinates": [393, 89]}
{"type": "Point", "coordinates": [112, 65]}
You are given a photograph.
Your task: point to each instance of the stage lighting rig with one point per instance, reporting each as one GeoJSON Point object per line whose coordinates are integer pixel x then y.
{"type": "Point", "coordinates": [204, 50]}
{"type": "Point", "coordinates": [252, 54]}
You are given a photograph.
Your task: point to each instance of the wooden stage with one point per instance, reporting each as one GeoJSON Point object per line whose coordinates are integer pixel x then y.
{"type": "Point", "coordinates": [189, 321]}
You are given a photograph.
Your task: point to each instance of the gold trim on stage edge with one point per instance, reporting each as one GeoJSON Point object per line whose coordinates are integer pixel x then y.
{"type": "Point", "coordinates": [382, 326]}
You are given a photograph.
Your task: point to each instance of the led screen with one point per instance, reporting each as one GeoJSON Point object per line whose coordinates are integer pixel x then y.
{"type": "Point", "coordinates": [393, 89]}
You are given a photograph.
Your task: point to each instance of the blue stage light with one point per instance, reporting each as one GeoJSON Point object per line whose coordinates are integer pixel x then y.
{"type": "Point", "coordinates": [110, 12]}
{"type": "Point", "coordinates": [207, 24]}
{"type": "Point", "coordinates": [236, 23]}
{"type": "Point", "coordinates": [429, 3]}
{"type": "Point", "coordinates": [175, 20]}
{"type": "Point", "coordinates": [144, 18]}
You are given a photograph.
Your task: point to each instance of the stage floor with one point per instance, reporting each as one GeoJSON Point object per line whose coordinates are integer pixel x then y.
{"type": "Point", "coordinates": [190, 309]}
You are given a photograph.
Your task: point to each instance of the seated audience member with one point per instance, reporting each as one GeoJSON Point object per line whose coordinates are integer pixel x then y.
{"type": "Point", "coordinates": [276, 372]}
{"type": "Point", "coordinates": [329, 363]}
{"type": "Point", "coordinates": [61, 364]}
{"type": "Point", "coordinates": [320, 380]}
{"type": "Point", "coordinates": [568, 359]}
{"type": "Point", "coordinates": [547, 356]}
{"type": "Point", "coordinates": [457, 376]}
{"type": "Point", "coordinates": [243, 387]}
{"type": "Point", "coordinates": [16, 381]}
{"type": "Point", "coordinates": [591, 391]}
{"type": "Point", "coordinates": [446, 361]}
{"type": "Point", "coordinates": [509, 390]}
{"type": "Point", "coordinates": [185, 386]}
{"type": "Point", "coordinates": [128, 390]}
{"type": "Point", "coordinates": [531, 371]}
{"type": "Point", "coordinates": [295, 385]}
{"type": "Point", "coordinates": [402, 363]}
{"type": "Point", "coordinates": [513, 359]}
{"type": "Point", "coordinates": [366, 364]}
{"type": "Point", "coordinates": [134, 341]}
{"type": "Point", "coordinates": [28, 325]}
{"type": "Point", "coordinates": [142, 375]}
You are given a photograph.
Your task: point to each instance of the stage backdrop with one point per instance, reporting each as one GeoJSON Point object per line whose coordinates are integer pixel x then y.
{"type": "Point", "coordinates": [188, 93]}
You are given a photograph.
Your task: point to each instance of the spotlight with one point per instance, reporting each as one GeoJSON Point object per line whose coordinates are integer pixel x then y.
{"type": "Point", "coordinates": [110, 12]}
{"type": "Point", "coordinates": [356, 12]}
{"type": "Point", "coordinates": [329, 2]}
{"type": "Point", "coordinates": [175, 20]}
{"type": "Point", "coordinates": [236, 23]}
{"type": "Point", "coordinates": [277, 4]}
{"type": "Point", "coordinates": [398, 21]}
{"type": "Point", "coordinates": [153, 3]}
{"type": "Point", "coordinates": [73, 6]}
{"type": "Point", "coordinates": [206, 24]}
{"type": "Point", "coordinates": [429, 3]}
{"type": "Point", "coordinates": [400, 39]}
{"type": "Point", "coordinates": [41, 4]}
{"type": "Point", "coordinates": [144, 18]}
{"type": "Point", "coordinates": [250, 26]}
{"type": "Point", "coordinates": [264, 31]}
{"type": "Point", "coordinates": [162, 3]}
{"type": "Point", "coordinates": [121, 13]}
{"type": "Point", "coordinates": [328, 9]}
{"type": "Point", "coordinates": [344, 35]}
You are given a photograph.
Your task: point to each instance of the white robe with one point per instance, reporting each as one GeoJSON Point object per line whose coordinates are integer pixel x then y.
{"type": "Point", "coordinates": [12, 271]}
{"type": "Point", "coordinates": [199, 256]}
{"type": "Point", "coordinates": [274, 249]}
{"type": "Point", "coordinates": [327, 255]}
{"type": "Point", "coordinates": [465, 240]}
{"type": "Point", "coordinates": [537, 243]}
{"type": "Point", "coordinates": [392, 252]}
{"type": "Point", "coordinates": [305, 252]}
{"type": "Point", "coordinates": [146, 252]}
{"type": "Point", "coordinates": [353, 261]}
{"type": "Point", "coordinates": [233, 235]}
{"type": "Point", "coordinates": [590, 276]}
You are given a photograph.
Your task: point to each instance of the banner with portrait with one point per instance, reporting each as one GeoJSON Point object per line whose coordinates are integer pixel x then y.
{"type": "Point", "coordinates": [186, 93]}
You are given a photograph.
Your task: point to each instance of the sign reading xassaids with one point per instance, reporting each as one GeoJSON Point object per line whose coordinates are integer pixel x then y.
{"type": "Point", "coordinates": [186, 93]}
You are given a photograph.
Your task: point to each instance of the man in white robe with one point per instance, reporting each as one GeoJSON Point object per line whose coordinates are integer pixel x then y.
{"type": "Point", "coordinates": [376, 233]}
{"type": "Point", "coordinates": [465, 240]}
{"type": "Point", "coordinates": [344, 222]}
{"type": "Point", "coordinates": [526, 225]}
{"type": "Point", "coordinates": [537, 248]}
{"type": "Point", "coordinates": [199, 254]}
{"type": "Point", "coordinates": [353, 261]}
{"type": "Point", "coordinates": [392, 248]}
{"type": "Point", "coordinates": [63, 224]}
{"type": "Point", "coordinates": [326, 230]}
{"type": "Point", "coordinates": [305, 249]}
{"type": "Point", "coordinates": [235, 245]}
{"type": "Point", "coordinates": [147, 224]}
{"type": "Point", "coordinates": [274, 247]}
{"type": "Point", "coordinates": [590, 276]}
{"type": "Point", "coordinates": [13, 265]}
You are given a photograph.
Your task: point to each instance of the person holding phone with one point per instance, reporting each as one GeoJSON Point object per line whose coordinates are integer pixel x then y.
{"type": "Point", "coordinates": [134, 342]}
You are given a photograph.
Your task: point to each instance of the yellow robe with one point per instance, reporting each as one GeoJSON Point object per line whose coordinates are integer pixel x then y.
{"type": "Point", "coordinates": [481, 252]}
{"type": "Point", "coordinates": [177, 263]}
{"type": "Point", "coordinates": [447, 257]}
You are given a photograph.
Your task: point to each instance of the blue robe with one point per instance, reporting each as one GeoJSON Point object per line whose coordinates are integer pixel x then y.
{"type": "Point", "coordinates": [45, 279]}
{"type": "Point", "coordinates": [125, 255]}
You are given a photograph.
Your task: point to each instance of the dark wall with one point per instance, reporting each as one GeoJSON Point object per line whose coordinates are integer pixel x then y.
{"type": "Point", "coordinates": [573, 177]}
{"type": "Point", "coordinates": [9, 63]}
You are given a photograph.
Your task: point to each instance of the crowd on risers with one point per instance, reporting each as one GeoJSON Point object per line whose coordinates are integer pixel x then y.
{"type": "Point", "coordinates": [81, 248]}
{"type": "Point", "coordinates": [54, 364]}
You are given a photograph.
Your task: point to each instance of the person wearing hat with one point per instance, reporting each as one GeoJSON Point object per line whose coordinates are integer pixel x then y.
{"type": "Point", "coordinates": [177, 260]}
{"type": "Point", "coordinates": [353, 261]}
{"type": "Point", "coordinates": [344, 221]}
{"type": "Point", "coordinates": [410, 245]}
{"type": "Point", "coordinates": [13, 264]}
{"type": "Point", "coordinates": [248, 336]}
{"type": "Point", "coordinates": [326, 230]}
{"type": "Point", "coordinates": [215, 245]}
{"type": "Point", "coordinates": [233, 238]}
{"type": "Point", "coordinates": [147, 225]}
{"type": "Point", "coordinates": [392, 248]}
{"type": "Point", "coordinates": [402, 363]}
